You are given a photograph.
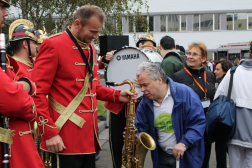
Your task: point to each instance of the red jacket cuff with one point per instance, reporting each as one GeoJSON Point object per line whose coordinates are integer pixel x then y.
{"type": "Point", "coordinates": [115, 108]}
{"type": "Point", "coordinates": [116, 96]}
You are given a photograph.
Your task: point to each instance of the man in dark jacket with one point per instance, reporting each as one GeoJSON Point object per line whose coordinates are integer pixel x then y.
{"type": "Point", "coordinates": [173, 115]}
{"type": "Point", "coordinates": [172, 61]}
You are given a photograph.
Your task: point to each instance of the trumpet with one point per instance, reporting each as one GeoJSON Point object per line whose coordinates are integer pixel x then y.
{"type": "Point", "coordinates": [133, 156]}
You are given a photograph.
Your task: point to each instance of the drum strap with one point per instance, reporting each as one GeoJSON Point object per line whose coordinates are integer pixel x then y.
{"type": "Point", "coordinates": [89, 66]}
{"type": "Point", "coordinates": [60, 108]}
{"type": "Point", "coordinates": [74, 104]}
{"type": "Point", "coordinates": [6, 135]}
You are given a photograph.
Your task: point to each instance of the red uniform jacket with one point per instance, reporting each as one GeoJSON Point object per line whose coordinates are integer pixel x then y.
{"type": "Point", "coordinates": [59, 73]}
{"type": "Point", "coordinates": [16, 104]}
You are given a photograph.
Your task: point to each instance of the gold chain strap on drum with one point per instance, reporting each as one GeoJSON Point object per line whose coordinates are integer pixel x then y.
{"type": "Point", "coordinates": [133, 156]}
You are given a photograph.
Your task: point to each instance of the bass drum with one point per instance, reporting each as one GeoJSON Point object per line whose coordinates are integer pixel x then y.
{"type": "Point", "coordinates": [124, 64]}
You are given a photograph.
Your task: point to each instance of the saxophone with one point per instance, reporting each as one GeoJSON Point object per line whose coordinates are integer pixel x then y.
{"type": "Point", "coordinates": [133, 156]}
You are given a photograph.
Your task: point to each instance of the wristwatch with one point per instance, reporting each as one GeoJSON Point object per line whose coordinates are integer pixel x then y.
{"type": "Point", "coordinates": [185, 145]}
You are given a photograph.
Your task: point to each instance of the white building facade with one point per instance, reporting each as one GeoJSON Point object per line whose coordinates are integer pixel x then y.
{"type": "Point", "coordinates": [224, 26]}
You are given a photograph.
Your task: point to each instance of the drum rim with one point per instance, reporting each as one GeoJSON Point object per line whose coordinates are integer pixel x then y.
{"type": "Point", "coordinates": [130, 47]}
{"type": "Point", "coordinates": [124, 47]}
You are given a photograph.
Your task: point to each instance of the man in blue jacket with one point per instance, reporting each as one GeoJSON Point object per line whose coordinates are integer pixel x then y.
{"type": "Point", "coordinates": [173, 115]}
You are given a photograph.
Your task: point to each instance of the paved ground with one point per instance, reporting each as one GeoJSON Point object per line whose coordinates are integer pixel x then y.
{"type": "Point", "coordinates": [105, 160]}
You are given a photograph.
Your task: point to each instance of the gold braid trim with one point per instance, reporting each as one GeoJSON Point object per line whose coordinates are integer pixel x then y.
{"type": "Point", "coordinates": [114, 96]}
{"type": "Point", "coordinates": [6, 135]}
{"type": "Point", "coordinates": [73, 105]}
{"type": "Point", "coordinates": [11, 67]}
{"type": "Point", "coordinates": [83, 48]}
{"type": "Point", "coordinates": [35, 91]}
{"type": "Point", "coordinates": [25, 133]}
{"type": "Point", "coordinates": [8, 62]}
{"type": "Point", "coordinates": [82, 80]}
{"type": "Point", "coordinates": [76, 63]}
{"type": "Point", "coordinates": [90, 95]}
{"type": "Point", "coordinates": [42, 122]}
{"type": "Point", "coordinates": [88, 111]}
{"type": "Point", "coordinates": [23, 61]}
{"type": "Point", "coordinates": [57, 34]}
{"type": "Point", "coordinates": [59, 108]}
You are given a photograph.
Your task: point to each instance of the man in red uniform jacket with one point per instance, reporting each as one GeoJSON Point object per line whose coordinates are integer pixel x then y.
{"type": "Point", "coordinates": [23, 44]}
{"type": "Point", "coordinates": [16, 104]}
{"type": "Point", "coordinates": [66, 71]}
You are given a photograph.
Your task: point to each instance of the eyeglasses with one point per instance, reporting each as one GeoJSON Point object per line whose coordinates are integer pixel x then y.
{"type": "Point", "coordinates": [192, 54]}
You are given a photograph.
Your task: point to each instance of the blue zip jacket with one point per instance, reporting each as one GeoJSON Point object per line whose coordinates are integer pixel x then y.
{"type": "Point", "coordinates": [188, 120]}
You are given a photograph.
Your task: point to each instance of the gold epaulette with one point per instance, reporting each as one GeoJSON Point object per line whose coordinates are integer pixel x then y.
{"type": "Point", "coordinates": [57, 34]}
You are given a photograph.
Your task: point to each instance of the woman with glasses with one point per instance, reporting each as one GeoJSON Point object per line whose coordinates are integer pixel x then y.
{"type": "Point", "coordinates": [201, 81]}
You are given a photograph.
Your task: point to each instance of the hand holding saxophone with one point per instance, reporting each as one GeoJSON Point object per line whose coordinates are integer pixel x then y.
{"type": "Point", "coordinates": [124, 96]}
{"type": "Point", "coordinates": [136, 137]}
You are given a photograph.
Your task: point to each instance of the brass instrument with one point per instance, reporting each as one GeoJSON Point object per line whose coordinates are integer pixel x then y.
{"type": "Point", "coordinates": [45, 156]}
{"type": "Point", "coordinates": [133, 156]}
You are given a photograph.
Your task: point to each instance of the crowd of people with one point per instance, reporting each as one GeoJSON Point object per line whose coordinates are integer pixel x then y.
{"type": "Point", "coordinates": [56, 86]}
{"type": "Point", "coordinates": [203, 77]}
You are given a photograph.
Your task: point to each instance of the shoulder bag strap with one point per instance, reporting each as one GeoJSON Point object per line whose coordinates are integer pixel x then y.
{"type": "Point", "coordinates": [232, 71]}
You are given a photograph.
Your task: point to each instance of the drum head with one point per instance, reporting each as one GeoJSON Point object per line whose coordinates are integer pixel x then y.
{"type": "Point", "coordinates": [124, 64]}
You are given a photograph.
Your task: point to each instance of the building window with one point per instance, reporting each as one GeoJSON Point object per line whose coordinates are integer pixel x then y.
{"type": "Point", "coordinates": [240, 21]}
{"type": "Point", "coordinates": [230, 21]}
{"type": "Point", "coordinates": [183, 22]}
{"type": "Point", "coordinates": [206, 22]}
{"type": "Point", "coordinates": [196, 22]}
{"type": "Point", "coordinates": [163, 23]}
{"type": "Point", "coordinates": [151, 23]}
{"type": "Point", "coordinates": [216, 21]}
{"type": "Point", "coordinates": [173, 22]}
{"type": "Point", "coordinates": [249, 20]}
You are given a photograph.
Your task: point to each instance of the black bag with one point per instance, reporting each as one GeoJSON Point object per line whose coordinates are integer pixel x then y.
{"type": "Point", "coordinates": [221, 116]}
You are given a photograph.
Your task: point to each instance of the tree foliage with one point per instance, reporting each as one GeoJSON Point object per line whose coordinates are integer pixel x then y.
{"type": "Point", "coordinates": [55, 15]}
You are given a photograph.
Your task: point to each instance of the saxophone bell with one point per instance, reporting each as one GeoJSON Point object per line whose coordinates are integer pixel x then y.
{"type": "Point", "coordinates": [146, 142]}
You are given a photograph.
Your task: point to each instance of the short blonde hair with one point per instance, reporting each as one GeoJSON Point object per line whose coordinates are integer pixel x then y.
{"type": "Point", "coordinates": [85, 12]}
{"type": "Point", "coordinates": [201, 46]}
